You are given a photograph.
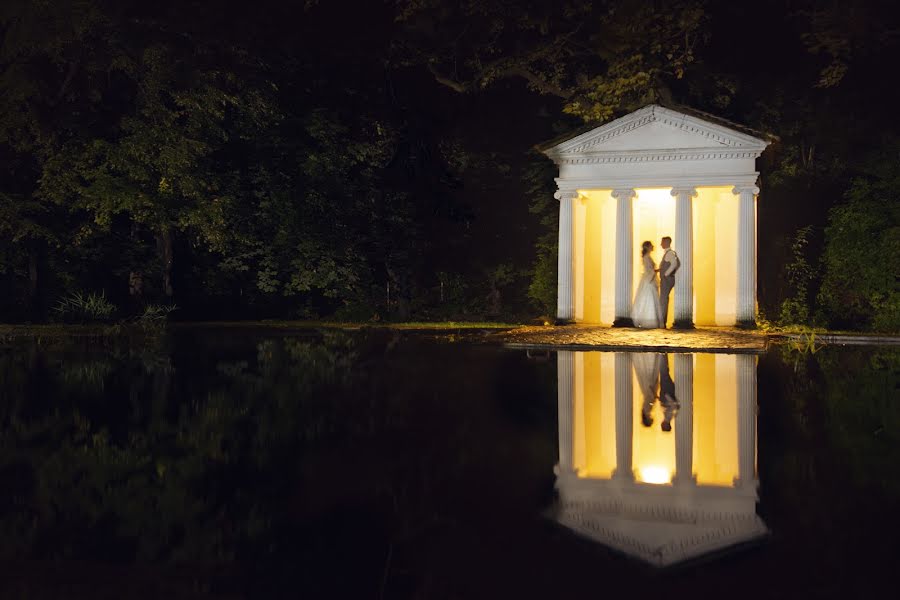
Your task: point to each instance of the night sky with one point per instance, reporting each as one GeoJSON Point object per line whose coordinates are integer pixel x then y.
{"type": "Point", "coordinates": [428, 170]}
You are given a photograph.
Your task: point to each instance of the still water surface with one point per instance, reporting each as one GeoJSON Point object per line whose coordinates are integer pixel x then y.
{"type": "Point", "coordinates": [236, 463]}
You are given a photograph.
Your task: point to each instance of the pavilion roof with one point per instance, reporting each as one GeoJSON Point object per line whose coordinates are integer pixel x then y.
{"type": "Point", "coordinates": [652, 111]}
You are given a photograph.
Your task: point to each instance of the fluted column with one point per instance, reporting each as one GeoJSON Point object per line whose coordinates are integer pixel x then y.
{"type": "Point", "coordinates": [565, 301]}
{"type": "Point", "coordinates": [746, 267]}
{"type": "Point", "coordinates": [565, 397]}
{"type": "Point", "coordinates": [684, 420]}
{"type": "Point", "coordinates": [624, 405]}
{"type": "Point", "coordinates": [624, 256]}
{"type": "Point", "coordinates": [684, 245]}
{"type": "Point", "coordinates": [746, 396]}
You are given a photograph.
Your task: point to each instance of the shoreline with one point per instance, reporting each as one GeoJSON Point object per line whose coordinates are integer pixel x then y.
{"type": "Point", "coordinates": [510, 335]}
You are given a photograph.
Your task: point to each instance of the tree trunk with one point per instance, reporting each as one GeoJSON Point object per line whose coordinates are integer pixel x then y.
{"type": "Point", "coordinates": [399, 293]}
{"type": "Point", "coordinates": [35, 303]}
{"type": "Point", "coordinates": [135, 276]}
{"type": "Point", "coordinates": [494, 303]}
{"type": "Point", "coordinates": [135, 286]}
{"type": "Point", "coordinates": [164, 249]}
{"type": "Point", "coordinates": [32, 273]}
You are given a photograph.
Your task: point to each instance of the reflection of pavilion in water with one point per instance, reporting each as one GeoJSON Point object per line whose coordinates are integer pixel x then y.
{"type": "Point", "coordinates": [629, 481]}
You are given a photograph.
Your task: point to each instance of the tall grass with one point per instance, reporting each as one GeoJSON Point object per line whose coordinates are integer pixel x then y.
{"type": "Point", "coordinates": [155, 314]}
{"type": "Point", "coordinates": [78, 307]}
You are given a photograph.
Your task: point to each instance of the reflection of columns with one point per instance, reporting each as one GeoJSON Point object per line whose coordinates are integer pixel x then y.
{"type": "Point", "coordinates": [684, 420]}
{"type": "Point", "coordinates": [565, 304]}
{"type": "Point", "coordinates": [624, 404]}
{"type": "Point", "coordinates": [565, 390]}
{"type": "Point", "coordinates": [684, 242]}
{"type": "Point", "coordinates": [746, 267]}
{"type": "Point", "coordinates": [624, 256]}
{"type": "Point", "coordinates": [746, 396]}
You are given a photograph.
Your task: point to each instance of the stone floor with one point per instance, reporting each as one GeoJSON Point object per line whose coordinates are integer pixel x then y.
{"type": "Point", "coordinates": [596, 337]}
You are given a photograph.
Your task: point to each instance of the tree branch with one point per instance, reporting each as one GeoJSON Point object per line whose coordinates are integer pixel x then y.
{"type": "Point", "coordinates": [70, 75]}
{"type": "Point", "coordinates": [542, 85]}
{"type": "Point", "coordinates": [456, 86]}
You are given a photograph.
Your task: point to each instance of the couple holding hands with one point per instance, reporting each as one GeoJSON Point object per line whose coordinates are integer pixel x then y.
{"type": "Point", "coordinates": [651, 302]}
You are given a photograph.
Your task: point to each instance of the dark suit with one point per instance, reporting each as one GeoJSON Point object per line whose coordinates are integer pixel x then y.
{"type": "Point", "coordinates": [666, 282]}
{"type": "Point", "coordinates": [667, 397]}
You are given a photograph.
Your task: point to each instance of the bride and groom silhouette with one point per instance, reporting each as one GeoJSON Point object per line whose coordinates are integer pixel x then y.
{"type": "Point", "coordinates": [651, 302]}
{"type": "Point", "coordinates": [652, 372]}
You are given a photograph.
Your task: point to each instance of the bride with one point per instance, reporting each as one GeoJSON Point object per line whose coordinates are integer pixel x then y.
{"type": "Point", "coordinates": [645, 311]}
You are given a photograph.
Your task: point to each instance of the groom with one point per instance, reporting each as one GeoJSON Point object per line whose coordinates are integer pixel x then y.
{"type": "Point", "coordinates": [667, 267]}
{"type": "Point", "coordinates": [667, 397]}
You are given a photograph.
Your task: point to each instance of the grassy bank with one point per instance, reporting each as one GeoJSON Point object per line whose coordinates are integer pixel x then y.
{"type": "Point", "coordinates": [410, 325]}
{"type": "Point", "coordinates": [95, 330]}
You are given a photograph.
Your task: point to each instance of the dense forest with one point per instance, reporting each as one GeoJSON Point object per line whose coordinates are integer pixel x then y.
{"type": "Point", "coordinates": [375, 160]}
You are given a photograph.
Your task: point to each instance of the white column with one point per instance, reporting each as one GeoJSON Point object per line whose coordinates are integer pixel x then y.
{"type": "Point", "coordinates": [684, 420]}
{"type": "Point", "coordinates": [746, 267]}
{"type": "Point", "coordinates": [565, 398]}
{"type": "Point", "coordinates": [684, 246]}
{"type": "Point", "coordinates": [624, 406]}
{"type": "Point", "coordinates": [565, 304]}
{"type": "Point", "coordinates": [746, 396]}
{"type": "Point", "coordinates": [624, 256]}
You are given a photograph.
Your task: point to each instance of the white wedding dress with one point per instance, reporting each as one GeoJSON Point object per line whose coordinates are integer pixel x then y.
{"type": "Point", "coordinates": [646, 367]}
{"type": "Point", "coordinates": [646, 312]}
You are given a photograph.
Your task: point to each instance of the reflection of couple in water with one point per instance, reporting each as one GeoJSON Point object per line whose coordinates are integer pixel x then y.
{"type": "Point", "coordinates": [653, 374]}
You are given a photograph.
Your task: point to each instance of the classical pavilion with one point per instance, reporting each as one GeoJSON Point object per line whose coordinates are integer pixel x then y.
{"type": "Point", "coordinates": [658, 172]}
{"type": "Point", "coordinates": [660, 496]}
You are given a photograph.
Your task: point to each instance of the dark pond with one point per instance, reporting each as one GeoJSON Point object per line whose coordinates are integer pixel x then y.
{"type": "Point", "coordinates": [236, 463]}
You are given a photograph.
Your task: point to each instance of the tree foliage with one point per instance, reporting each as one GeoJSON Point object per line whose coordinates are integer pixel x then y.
{"type": "Point", "coordinates": [795, 310]}
{"type": "Point", "coordinates": [159, 153]}
{"type": "Point", "coordinates": [597, 57]}
{"type": "Point", "coordinates": [861, 284]}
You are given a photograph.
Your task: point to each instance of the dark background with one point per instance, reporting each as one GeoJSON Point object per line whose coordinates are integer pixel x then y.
{"type": "Point", "coordinates": [375, 160]}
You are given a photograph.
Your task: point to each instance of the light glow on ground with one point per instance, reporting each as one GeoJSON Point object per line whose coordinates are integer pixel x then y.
{"type": "Point", "coordinates": [654, 474]}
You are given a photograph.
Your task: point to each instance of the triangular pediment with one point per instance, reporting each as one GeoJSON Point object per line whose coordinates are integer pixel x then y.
{"type": "Point", "coordinates": [659, 524]}
{"type": "Point", "coordinates": [662, 543]}
{"type": "Point", "coordinates": [655, 129]}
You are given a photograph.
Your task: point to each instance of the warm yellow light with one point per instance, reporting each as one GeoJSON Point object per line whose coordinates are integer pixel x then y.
{"type": "Point", "coordinates": [594, 430]}
{"type": "Point", "coordinates": [715, 221]}
{"type": "Point", "coordinates": [653, 216]}
{"type": "Point", "coordinates": [653, 450]}
{"type": "Point", "coordinates": [654, 474]}
{"type": "Point", "coordinates": [714, 421]}
{"type": "Point", "coordinates": [715, 256]}
{"type": "Point", "coordinates": [594, 257]}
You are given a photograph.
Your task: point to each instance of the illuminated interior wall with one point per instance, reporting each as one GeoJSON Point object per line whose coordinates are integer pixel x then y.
{"type": "Point", "coordinates": [715, 214]}
{"type": "Point", "coordinates": [594, 429]}
{"type": "Point", "coordinates": [594, 253]}
{"type": "Point", "coordinates": [579, 259]}
{"type": "Point", "coordinates": [578, 402]}
{"type": "Point", "coordinates": [715, 455]}
{"type": "Point", "coordinates": [653, 216]}
{"type": "Point", "coordinates": [653, 450]}
{"type": "Point", "coordinates": [715, 224]}
{"type": "Point", "coordinates": [607, 291]}
{"type": "Point", "coordinates": [726, 258]}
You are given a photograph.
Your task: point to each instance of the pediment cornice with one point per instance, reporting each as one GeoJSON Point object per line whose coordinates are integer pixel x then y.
{"type": "Point", "coordinates": [638, 156]}
{"type": "Point", "coordinates": [717, 141]}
